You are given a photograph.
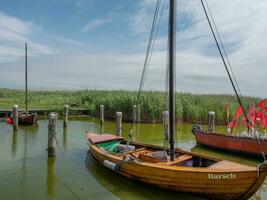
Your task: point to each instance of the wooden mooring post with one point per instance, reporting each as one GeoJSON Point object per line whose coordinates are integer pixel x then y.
{"type": "Point", "coordinates": [15, 115]}
{"type": "Point", "coordinates": [165, 119]}
{"type": "Point", "coordinates": [134, 114]}
{"type": "Point", "coordinates": [118, 123]}
{"type": "Point", "coordinates": [102, 115]}
{"type": "Point", "coordinates": [211, 125]}
{"type": "Point", "coordinates": [52, 123]}
{"type": "Point", "coordinates": [102, 118]}
{"type": "Point", "coordinates": [138, 115]}
{"type": "Point", "coordinates": [66, 114]}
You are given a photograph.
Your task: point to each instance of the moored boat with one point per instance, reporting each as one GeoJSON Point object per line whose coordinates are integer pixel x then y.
{"type": "Point", "coordinates": [26, 118]}
{"type": "Point", "coordinates": [253, 140]}
{"type": "Point", "coordinates": [189, 172]}
{"type": "Point", "coordinates": [234, 143]}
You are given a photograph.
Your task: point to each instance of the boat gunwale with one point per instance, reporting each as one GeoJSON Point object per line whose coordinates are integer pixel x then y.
{"type": "Point", "coordinates": [228, 136]}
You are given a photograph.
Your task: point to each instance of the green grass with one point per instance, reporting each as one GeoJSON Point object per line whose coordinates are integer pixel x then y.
{"type": "Point", "coordinates": [189, 107]}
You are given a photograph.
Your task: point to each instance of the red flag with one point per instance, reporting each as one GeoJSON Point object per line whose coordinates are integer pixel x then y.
{"type": "Point", "coordinates": [238, 112]}
{"type": "Point", "coordinates": [263, 122]}
{"type": "Point", "coordinates": [232, 124]}
{"type": "Point", "coordinates": [261, 104]}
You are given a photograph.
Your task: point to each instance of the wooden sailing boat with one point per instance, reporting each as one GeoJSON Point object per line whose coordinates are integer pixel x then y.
{"type": "Point", "coordinates": [26, 118]}
{"type": "Point", "coordinates": [176, 169]}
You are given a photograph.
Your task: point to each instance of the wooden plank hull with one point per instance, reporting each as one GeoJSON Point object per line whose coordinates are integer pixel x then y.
{"type": "Point", "coordinates": [27, 119]}
{"type": "Point", "coordinates": [221, 181]}
{"type": "Point", "coordinates": [231, 143]}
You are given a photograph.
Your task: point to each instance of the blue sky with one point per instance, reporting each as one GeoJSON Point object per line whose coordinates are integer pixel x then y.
{"type": "Point", "coordinates": [100, 44]}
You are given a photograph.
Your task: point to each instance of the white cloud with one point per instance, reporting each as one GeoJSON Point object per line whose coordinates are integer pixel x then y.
{"type": "Point", "coordinates": [140, 22]}
{"type": "Point", "coordinates": [94, 24]}
{"type": "Point", "coordinates": [14, 33]}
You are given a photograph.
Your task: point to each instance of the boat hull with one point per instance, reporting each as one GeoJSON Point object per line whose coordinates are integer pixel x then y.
{"type": "Point", "coordinates": [27, 119]}
{"type": "Point", "coordinates": [231, 143]}
{"type": "Point", "coordinates": [212, 183]}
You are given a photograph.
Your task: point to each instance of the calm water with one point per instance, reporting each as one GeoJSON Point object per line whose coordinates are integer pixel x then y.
{"type": "Point", "coordinates": [26, 173]}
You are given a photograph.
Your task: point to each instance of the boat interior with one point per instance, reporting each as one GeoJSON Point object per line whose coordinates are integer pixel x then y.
{"type": "Point", "coordinates": [153, 154]}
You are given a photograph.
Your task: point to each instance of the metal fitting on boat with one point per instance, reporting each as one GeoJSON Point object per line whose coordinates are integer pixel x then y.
{"type": "Point", "coordinates": [111, 165]}
{"type": "Point", "coordinates": [195, 127]}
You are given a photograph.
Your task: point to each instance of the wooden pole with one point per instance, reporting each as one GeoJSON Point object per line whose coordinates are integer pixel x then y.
{"type": "Point", "coordinates": [52, 122]}
{"type": "Point", "coordinates": [118, 123]}
{"type": "Point", "coordinates": [172, 73]}
{"type": "Point", "coordinates": [165, 119]}
{"type": "Point", "coordinates": [138, 117]}
{"type": "Point", "coordinates": [26, 79]}
{"type": "Point", "coordinates": [211, 125]}
{"type": "Point", "coordinates": [66, 113]}
{"type": "Point", "coordinates": [102, 116]}
{"type": "Point", "coordinates": [15, 117]}
{"type": "Point", "coordinates": [134, 114]}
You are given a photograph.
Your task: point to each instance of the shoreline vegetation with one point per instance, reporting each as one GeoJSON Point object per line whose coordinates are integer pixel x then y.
{"type": "Point", "coordinates": [191, 108]}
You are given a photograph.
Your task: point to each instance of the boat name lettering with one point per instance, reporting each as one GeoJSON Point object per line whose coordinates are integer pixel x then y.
{"type": "Point", "coordinates": [222, 176]}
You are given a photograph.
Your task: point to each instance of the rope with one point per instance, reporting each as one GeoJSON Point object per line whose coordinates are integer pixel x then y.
{"type": "Point", "coordinates": [71, 171]}
{"type": "Point", "coordinates": [224, 63]}
{"type": "Point", "coordinates": [224, 51]}
{"type": "Point", "coordinates": [150, 46]}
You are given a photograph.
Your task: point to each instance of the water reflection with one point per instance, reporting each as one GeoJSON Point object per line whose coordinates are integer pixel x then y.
{"type": "Point", "coordinates": [50, 177]}
{"type": "Point", "coordinates": [65, 137]}
{"type": "Point", "coordinates": [14, 143]}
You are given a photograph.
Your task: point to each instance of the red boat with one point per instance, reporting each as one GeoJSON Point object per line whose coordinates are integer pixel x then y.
{"type": "Point", "coordinates": [252, 141]}
{"type": "Point", "coordinates": [240, 144]}
{"type": "Point", "coordinates": [27, 118]}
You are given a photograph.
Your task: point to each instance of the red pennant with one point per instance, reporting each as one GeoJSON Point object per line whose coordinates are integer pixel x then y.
{"type": "Point", "coordinates": [261, 104]}
{"type": "Point", "coordinates": [238, 112]}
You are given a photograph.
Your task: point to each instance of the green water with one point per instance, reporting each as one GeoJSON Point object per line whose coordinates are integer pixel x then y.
{"type": "Point", "coordinates": [26, 173]}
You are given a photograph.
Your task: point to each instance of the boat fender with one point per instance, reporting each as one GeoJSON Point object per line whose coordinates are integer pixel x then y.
{"type": "Point", "coordinates": [111, 165]}
{"type": "Point", "coordinates": [195, 127]}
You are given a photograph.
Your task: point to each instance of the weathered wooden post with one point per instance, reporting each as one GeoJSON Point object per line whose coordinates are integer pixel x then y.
{"type": "Point", "coordinates": [118, 123]}
{"type": "Point", "coordinates": [211, 125]}
{"type": "Point", "coordinates": [52, 122]}
{"type": "Point", "coordinates": [102, 117]}
{"type": "Point", "coordinates": [138, 117]}
{"type": "Point", "coordinates": [134, 114]}
{"type": "Point", "coordinates": [66, 114]}
{"type": "Point", "coordinates": [15, 115]}
{"type": "Point", "coordinates": [165, 119]}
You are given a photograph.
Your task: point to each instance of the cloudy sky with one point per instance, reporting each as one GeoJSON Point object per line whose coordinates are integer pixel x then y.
{"type": "Point", "coordinates": [100, 44]}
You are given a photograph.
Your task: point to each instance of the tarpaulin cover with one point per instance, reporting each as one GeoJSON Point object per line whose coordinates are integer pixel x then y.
{"type": "Point", "coordinates": [110, 146]}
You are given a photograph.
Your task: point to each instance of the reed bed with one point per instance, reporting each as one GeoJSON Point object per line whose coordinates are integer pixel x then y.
{"type": "Point", "coordinates": [189, 107]}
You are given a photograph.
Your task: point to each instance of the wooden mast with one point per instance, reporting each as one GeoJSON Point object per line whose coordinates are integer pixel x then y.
{"type": "Point", "coordinates": [172, 55]}
{"type": "Point", "coordinates": [26, 79]}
